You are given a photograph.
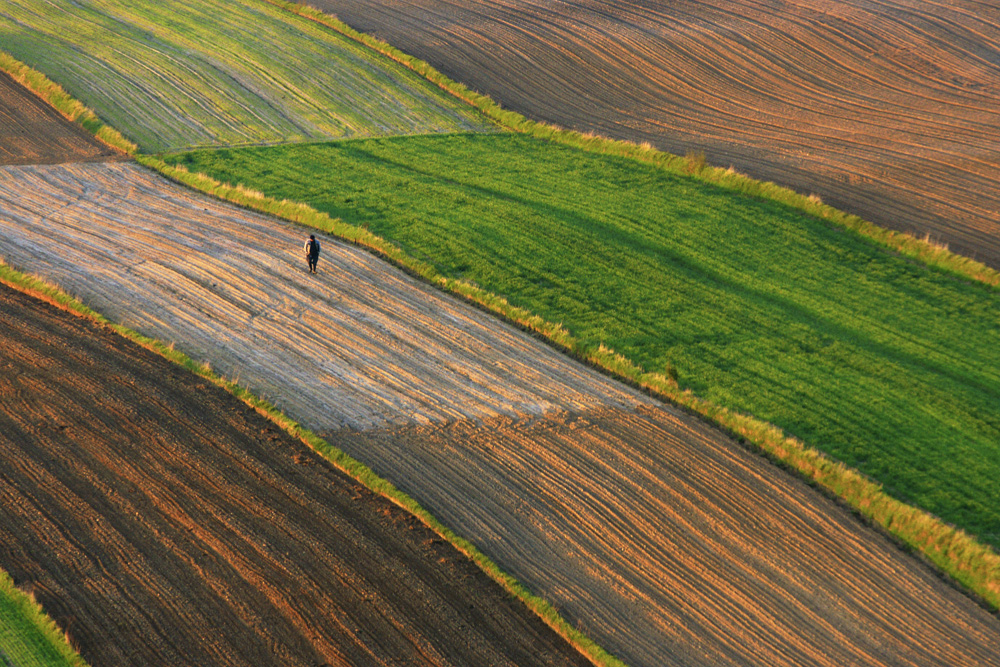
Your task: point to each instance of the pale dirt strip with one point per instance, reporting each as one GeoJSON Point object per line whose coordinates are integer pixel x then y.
{"type": "Point", "coordinates": [671, 545]}
{"type": "Point", "coordinates": [360, 344]}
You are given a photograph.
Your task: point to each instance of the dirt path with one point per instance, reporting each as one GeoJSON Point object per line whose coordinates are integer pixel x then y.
{"type": "Point", "coordinates": [885, 109]}
{"type": "Point", "coordinates": [162, 522]}
{"type": "Point", "coordinates": [32, 132]}
{"type": "Point", "coordinates": [658, 537]}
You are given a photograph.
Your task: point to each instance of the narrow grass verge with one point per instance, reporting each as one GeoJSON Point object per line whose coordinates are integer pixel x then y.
{"type": "Point", "coordinates": [61, 101]}
{"type": "Point", "coordinates": [54, 295]}
{"type": "Point", "coordinates": [28, 636]}
{"type": "Point", "coordinates": [922, 249]}
{"type": "Point", "coordinates": [972, 564]}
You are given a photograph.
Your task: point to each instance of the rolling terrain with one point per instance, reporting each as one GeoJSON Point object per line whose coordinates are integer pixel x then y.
{"type": "Point", "coordinates": [886, 109]}
{"type": "Point", "coordinates": [594, 496]}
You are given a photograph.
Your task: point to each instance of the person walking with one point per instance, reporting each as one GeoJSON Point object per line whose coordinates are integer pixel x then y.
{"type": "Point", "coordinates": [312, 252]}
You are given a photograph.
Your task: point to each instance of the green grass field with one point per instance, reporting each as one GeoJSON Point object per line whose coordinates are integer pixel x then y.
{"type": "Point", "coordinates": [208, 72]}
{"type": "Point", "coordinates": [885, 364]}
{"type": "Point", "coordinates": [29, 638]}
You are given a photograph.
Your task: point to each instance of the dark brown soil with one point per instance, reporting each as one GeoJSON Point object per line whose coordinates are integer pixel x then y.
{"type": "Point", "coordinates": [162, 522]}
{"type": "Point", "coordinates": [32, 132]}
{"type": "Point", "coordinates": [890, 110]}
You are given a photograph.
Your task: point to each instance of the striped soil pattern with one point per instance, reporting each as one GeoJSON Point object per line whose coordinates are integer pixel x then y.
{"type": "Point", "coordinates": [34, 133]}
{"type": "Point", "coordinates": [161, 522]}
{"type": "Point", "coordinates": [889, 109]}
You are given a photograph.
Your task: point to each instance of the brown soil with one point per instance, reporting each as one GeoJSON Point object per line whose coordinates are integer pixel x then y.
{"type": "Point", "coordinates": [661, 539]}
{"type": "Point", "coordinates": [671, 545]}
{"type": "Point", "coordinates": [890, 110]}
{"type": "Point", "coordinates": [162, 522]}
{"type": "Point", "coordinates": [32, 132]}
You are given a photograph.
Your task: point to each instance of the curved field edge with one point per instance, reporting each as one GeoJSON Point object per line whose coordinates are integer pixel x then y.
{"type": "Point", "coordinates": [967, 561]}
{"type": "Point", "coordinates": [71, 108]}
{"type": "Point", "coordinates": [54, 295]}
{"type": "Point", "coordinates": [922, 249]}
{"type": "Point", "coordinates": [41, 640]}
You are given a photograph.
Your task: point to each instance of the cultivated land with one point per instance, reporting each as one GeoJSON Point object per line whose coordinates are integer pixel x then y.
{"type": "Point", "coordinates": [592, 495]}
{"type": "Point", "coordinates": [886, 109]}
{"type": "Point", "coordinates": [34, 133]}
{"type": "Point", "coordinates": [162, 522]}
{"type": "Point", "coordinates": [199, 73]}
{"type": "Point", "coordinates": [757, 307]}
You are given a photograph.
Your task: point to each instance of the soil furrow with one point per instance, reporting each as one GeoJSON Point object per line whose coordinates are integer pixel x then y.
{"type": "Point", "coordinates": [706, 553]}
{"type": "Point", "coordinates": [162, 522]}
{"type": "Point", "coordinates": [35, 133]}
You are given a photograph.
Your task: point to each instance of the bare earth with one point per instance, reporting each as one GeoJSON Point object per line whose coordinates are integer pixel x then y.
{"type": "Point", "coordinates": [162, 522]}
{"type": "Point", "coordinates": [660, 538]}
{"type": "Point", "coordinates": [886, 109]}
{"type": "Point", "coordinates": [671, 545]}
{"type": "Point", "coordinates": [32, 132]}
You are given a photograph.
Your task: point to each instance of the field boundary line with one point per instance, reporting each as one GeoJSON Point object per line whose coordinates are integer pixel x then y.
{"type": "Point", "coordinates": [72, 109]}
{"type": "Point", "coordinates": [692, 165]}
{"type": "Point", "coordinates": [32, 614]}
{"type": "Point", "coordinates": [975, 566]}
{"type": "Point", "coordinates": [56, 296]}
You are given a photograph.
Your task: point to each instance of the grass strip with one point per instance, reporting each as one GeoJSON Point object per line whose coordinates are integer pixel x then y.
{"type": "Point", "coordinates": [922, 249]}
{"type": "Point", "coordinates": [966, 560]}
{"type": "Point", "coordinates": [61, 101]}
{"type": "Point", "coordinates": [54, 295]}
{"type": "Point", "coordinates": [28, 636]}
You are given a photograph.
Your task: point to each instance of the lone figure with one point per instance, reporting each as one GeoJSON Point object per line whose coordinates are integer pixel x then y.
{"type": "Point", "coordinates": [312, 252]}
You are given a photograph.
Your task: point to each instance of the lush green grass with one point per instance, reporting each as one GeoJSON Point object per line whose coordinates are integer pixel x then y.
{"type": "Point", "coordinates": [215, 72]}
{"type": "Point", "coordinates": [885, 364]}
{"type": "Point", "coordinates": [29, 638]}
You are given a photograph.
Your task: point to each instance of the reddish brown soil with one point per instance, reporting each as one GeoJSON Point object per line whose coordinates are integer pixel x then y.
{"type": "Point", "coordinates": [32, 132]}
{"type": "Point", "coordinates": [669, 544]}
{"type": "Point", "coordinates": [888, 109]}
{"type": "Point", "coordinates": [162, 522]}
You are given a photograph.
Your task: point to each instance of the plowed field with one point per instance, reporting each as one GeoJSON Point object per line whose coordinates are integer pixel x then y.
{"type": "Point", "coordinates": [664, 541]}
{"type": "Point", "coordinates": [887, 109]}
{"type": "Point", "coordinates": [671, 545]}
{"type": "Point", "coordinates": [162, 522]}
{"type": "Point", "coordinates": [32, 132]}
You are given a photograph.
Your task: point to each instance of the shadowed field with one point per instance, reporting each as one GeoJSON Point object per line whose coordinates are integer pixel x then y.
{"type": "Point", "coordinates": [655, 535]}
{"type": "Point", "coordinates": [162, 522]}
{"type": "Point", "coordinates": [890, 110]}
{"type": "Point", "coordinates": [34, 133]}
